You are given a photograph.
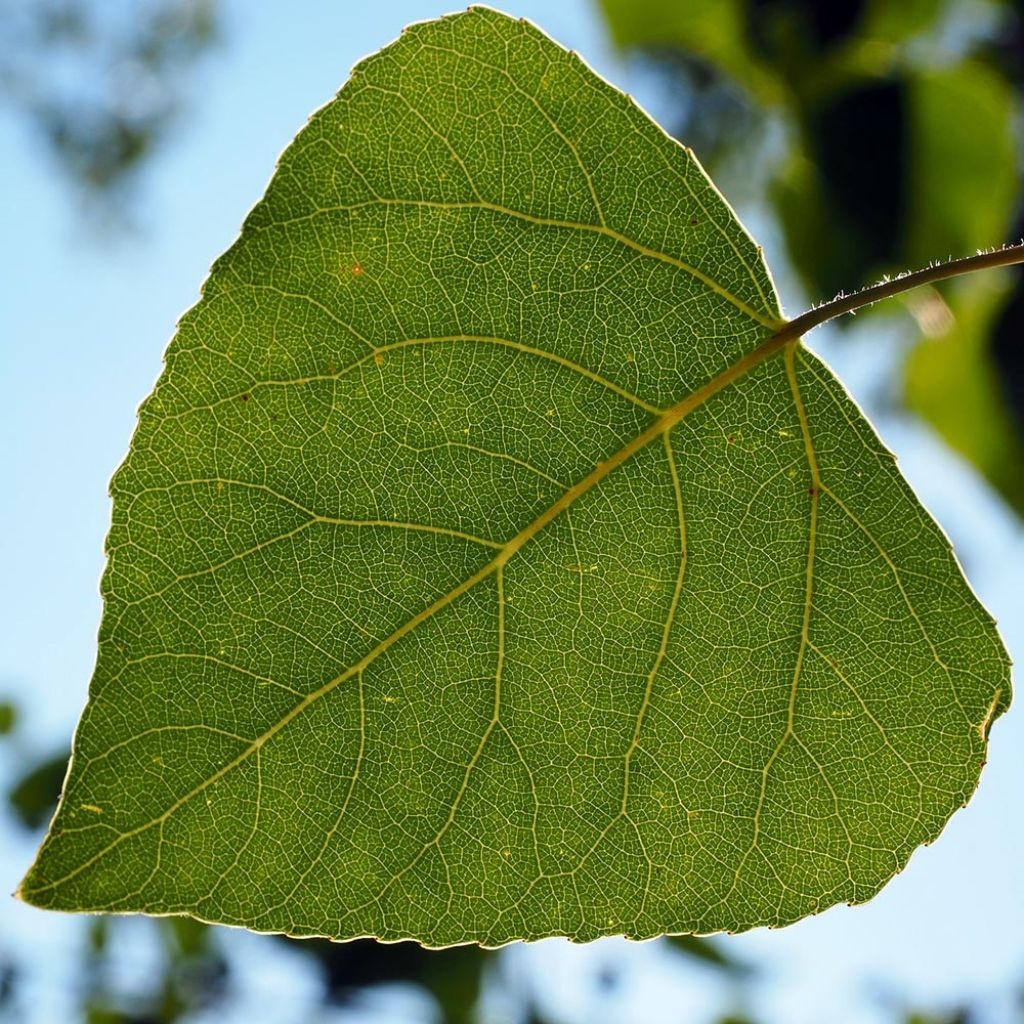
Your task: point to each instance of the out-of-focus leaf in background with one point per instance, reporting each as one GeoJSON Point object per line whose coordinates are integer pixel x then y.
{"type": "Point", "coordinates": [35, 793]}
{"type": "Point", "coordinates": [953, 383]}
{"type": "Point", "coordinates": [8, 717]}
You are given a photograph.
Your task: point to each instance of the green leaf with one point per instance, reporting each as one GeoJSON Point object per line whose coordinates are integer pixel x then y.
{"type": "Point", "coordinates": [8, 717]}
{"type": "Point", "coordinates": [707, 951]}
{"type": "Point", "coordinates": [962, 161]}
{"type": "Point", "coordinates": [34, 795]}
{"type": "Point", "coordinates": [713, 31]}
{"type": "Point", "coordinates": [951, 381]}
{"type": "Point", "coordinates": [484, 567]}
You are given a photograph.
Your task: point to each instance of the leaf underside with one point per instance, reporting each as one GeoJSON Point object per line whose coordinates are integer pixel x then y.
{"type": "Point", "coordinates": [481, 571]}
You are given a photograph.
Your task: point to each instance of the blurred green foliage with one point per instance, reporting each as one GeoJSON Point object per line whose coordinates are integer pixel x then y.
{"type": "Point", "coordinates": [953, 380]}
{"type": "Point", "coordinates": [33, 796]}
{"type": "Point", "coordinates": [8, 717]}
{"type": "Point", "coordinates": [881, 136]}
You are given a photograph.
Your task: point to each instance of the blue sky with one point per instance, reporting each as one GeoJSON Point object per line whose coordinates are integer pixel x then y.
{"type": "Point", "coordinates": [82, 329]}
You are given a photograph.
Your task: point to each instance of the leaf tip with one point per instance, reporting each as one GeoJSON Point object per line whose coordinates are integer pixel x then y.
{"type": "Point", "coordinates": [19, 893]}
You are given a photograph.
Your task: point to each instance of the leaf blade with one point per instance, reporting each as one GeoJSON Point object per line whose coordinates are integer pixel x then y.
{"type": "Point", "coordinates": [351, 716]}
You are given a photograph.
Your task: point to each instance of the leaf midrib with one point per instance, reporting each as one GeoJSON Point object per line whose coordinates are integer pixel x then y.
{"type": "Point", "coordinates": [660, 427]}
